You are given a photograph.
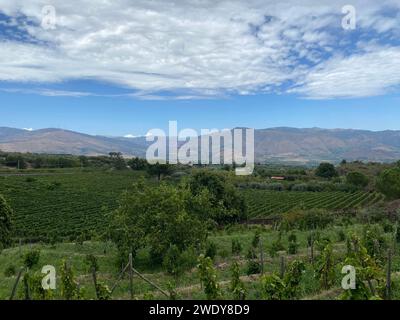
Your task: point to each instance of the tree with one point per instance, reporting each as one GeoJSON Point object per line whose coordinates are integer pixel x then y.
{"type": "Point", "coordinates": [228, 205]}
{"type": "Point", "coordinates": [357, 179]}
{"type": "Point", "coordinates": [118, 160]}
{"type": "Point", "coordinates": [5, 223]}
{"type": "Point", "coordinates": [326, 170]}
{"type": "Point", "coordinates": [159, 217]}
{"type": "Point", "coordinates": [159, 170]}
{"type": "Point", "coordinates": [389, 183]}
{"type": "Point", "coordinates": [137, 163]}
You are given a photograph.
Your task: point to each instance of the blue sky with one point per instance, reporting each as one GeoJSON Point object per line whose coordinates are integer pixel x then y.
{"type": "Point", "coordinates": [124, 68]}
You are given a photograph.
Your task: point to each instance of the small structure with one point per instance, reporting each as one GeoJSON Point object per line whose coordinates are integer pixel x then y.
{"type": "Point", "coordinates": [277, 178]}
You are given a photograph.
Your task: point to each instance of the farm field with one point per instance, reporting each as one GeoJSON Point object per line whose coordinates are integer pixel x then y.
{"type": "Point", "coordinates": [74, 202]}
{"type": "Point", "coordinates": [187, 285]}
{"type": "Point", "coordinates": [264, 203]}
{"type": "Point", "coordinates": [63, 202]}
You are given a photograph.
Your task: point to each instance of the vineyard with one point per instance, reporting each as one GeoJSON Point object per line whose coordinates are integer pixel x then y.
{"type": "Point", "coordinates": [62, 204]}
{"type": "Point", "coordinates": [67, 204]}
{"type": "Point", "coordinates": [264, 203]}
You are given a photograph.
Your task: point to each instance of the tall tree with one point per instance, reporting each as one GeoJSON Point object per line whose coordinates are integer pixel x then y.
{"type": "Point", "coordinates": [326, 170]}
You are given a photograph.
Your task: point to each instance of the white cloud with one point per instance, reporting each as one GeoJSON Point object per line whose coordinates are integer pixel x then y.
{"type": "Point", "coordinates": [371, 73]}
{"type": "Point", "coordinates": [130, 136]}
{"type": "Point", "coordinates": [201, 49]}
{"type": "Point", "coordinates": [28, 129]}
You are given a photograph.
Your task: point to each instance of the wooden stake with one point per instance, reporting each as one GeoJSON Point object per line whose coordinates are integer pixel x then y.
{"type": "Point", "coordinates": [16, 283]}
{"type": "Point", "coordinates": [261, 256]}
{"type": "Point", "coordinates": [131, 275]}
{"type": "Point", "coordinates": [95, 282]}
{"type": "Point", "coordinates": [282, 267]}
{"type": "Point", "coordinates": [120, 277]}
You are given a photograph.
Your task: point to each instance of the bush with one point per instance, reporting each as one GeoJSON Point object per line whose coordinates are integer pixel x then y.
{"type": "Point", "coordinates": [10, 271]}
{"type": "Point", "coordinates": [31, 258]}
{"type": "Point", "coordinates": [274, 247]}
{"type": "Point", "coordinates": [256, 239]}
{"type": "Point", "coordinates": [253, 267]}
{"type": "Point", "coordinates": [341, 235]}
{"type": "Point", "coordinates": [357, 179]}
{"type": "Point", "coordinates": [251, 253]}
{"type": "Point", "coordinates": [236, 247]}
{"type": "Point", "coordinates": [326, 170]}
{"type": "Point", "coordinates": [389, 183]}
{"type": "Point", "coordinates": [211, 250]}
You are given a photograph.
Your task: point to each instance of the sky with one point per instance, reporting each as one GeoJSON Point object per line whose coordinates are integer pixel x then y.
{"type": "Point", "coordinates": [121, 68]}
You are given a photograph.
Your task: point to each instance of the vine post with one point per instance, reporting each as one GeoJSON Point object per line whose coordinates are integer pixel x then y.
{"type": "Point", "coordinates": [388, 276]}
{"type": "Point", "coordinates": [282, 267]}
{"type": "Point", "coordinates": [131, 276]}
{"type": "Point", "coordinates": [261, 256]}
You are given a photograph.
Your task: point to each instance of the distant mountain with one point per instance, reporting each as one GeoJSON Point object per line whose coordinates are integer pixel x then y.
{"type": "Point", "coordinates": [272, 145]}
{"type": "Point", "coordinates": [57, 141]}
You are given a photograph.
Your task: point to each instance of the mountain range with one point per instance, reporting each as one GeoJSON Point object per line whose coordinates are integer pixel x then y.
{"type": "Point", "coordinates": [283, 144]}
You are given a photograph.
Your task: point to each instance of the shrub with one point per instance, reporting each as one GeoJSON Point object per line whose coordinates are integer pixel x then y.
{"type": "Point", "coordinates": [256, 239]}
{"type": "Point", "coordinates": [326, 170]}
{"type": "Point", "coordinates": [237, 286]}
{"type": "Point", "coordinates": [389, 183]}
{"type": "Point", "coordinates": [31, 258]}
{"type": "Point", "coordinates": [211, 250]}
{"type": "Point", "coordinates": [253, 267]}
{"type": "Point", "coordinates": [357, 179]}
{"type": "Point", "coordinates": [10, 271]}
{"type": "Point", "coordinates": [236, 246]}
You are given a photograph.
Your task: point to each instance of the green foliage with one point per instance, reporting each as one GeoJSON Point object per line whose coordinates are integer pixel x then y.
{"type": "Point", "coordinates": [103, 291]}
{"type": "Point", "coordinates": [236, 247]}
{"type": "Point", "coordinates": [70, 289]}
{"type": "Point", "coordinates": [137, 163]}
{"type": "Point", "coordinates": [256, 239]}
{"type": "Point", "coordinates": [388, 183]}
{"type": "Point", "coordinates": [325, 267]}
{"type": "Point", "coordinates": [31, 258]}
{"type": "Point", "coordinates": [275, 288]}
{"type": "Point", "coordinates": [368, 272]}
{"type": "Point", "coordinates": [237, 287]}
{"type": "Point", "coordinates": [208, 278]}
{"type": "Point", "coordinates": [274, 247]}
{"type": "Point", "coordinates": [265, 203]}
{"type": "Point", "coordinates": [374, 241]}
{"type": "Point", "coordinates": [228, 206]}
{"type": "Point", "coordinates": [10, 271]}
{"type": "Point", "coordinates": [211, 250]}
{"type": "Point", "coordinates": [91, 262]}
{"type": "Point", "coordinates": [326, 170]}
{"type": "Point", "coordinates": [357, 179]}
{"type": "Point", "coordinates": [159, 170]}
{"type": "Point", "coordinates": [33, 287]}
{"type": "Point", "coordinates": [158, 217]}
{"type": "Point", "coordinates": [307, 219]}
{"type": "Point", "coordinates": [251, 253]}
{"type": "Point", "coordinates": [172, 261]}
{"type": "Point", "coordinates": [253, 267]}
{"type": "Point", "coordinates": [293, 245]}
{"type": "Point", "coordinates": [6, 214]}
